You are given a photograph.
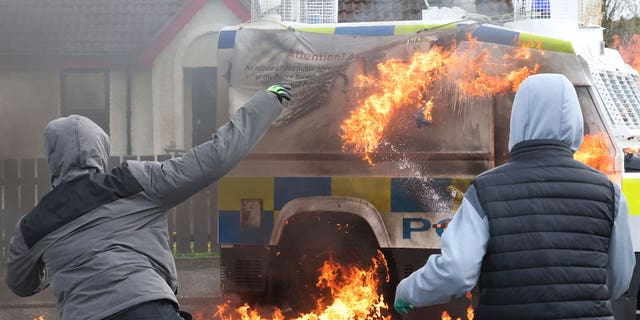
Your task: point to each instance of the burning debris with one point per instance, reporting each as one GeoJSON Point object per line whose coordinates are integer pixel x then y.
{"type": "Point", "coordinates": [402, 84]}
{"type": "Point", "coordinates": [470, 311]}
{"type": "Point", "coordinates": [352, 293]}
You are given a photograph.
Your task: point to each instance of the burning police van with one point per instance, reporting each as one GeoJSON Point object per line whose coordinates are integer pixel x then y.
{"type": "Point", "coordinates": [388, 125]}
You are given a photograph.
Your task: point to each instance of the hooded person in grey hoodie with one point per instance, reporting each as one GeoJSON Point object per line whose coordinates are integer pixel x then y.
{"type": "Point", "coordinates": [547, 236]}
{"type": "Point", "coordinates": [101, 239]}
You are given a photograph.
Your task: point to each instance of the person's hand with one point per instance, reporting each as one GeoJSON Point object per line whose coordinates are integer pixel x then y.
{"type": "Point", "coordinates": [281, 91]}
{"type": "Point", "coordinates": [402, 307]}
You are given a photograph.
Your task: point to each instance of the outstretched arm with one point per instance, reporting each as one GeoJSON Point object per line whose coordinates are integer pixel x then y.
{"type": "Point", "coordinates": [174, 180]}
{"type": "Point", "coordinates": [456, 270]}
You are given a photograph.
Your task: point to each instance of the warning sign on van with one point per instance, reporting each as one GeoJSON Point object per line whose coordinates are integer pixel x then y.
{"type": "Point", "coordinates": [310, 62]}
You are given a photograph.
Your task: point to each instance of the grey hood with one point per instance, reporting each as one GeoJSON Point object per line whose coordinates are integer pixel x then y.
{"type": "Point", "coordinates": [75, 145]}
{"type": "Point", "coordinates": [546, 107]}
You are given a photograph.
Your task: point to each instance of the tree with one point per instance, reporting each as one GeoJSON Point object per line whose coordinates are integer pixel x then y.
{"type": "Point", "coordinates": [616, 15]}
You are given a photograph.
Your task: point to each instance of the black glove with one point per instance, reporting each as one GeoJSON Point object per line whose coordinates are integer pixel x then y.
{"type": "Point", "coordinates": [281, 91]}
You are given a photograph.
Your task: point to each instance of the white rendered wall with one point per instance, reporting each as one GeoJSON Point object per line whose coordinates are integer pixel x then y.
{"type": "Point", "coordinates": [169, 131]}
{"type": "Point", "coordinates": [29, 99]}
{"type": "Point", "coordinates": [141, 113]}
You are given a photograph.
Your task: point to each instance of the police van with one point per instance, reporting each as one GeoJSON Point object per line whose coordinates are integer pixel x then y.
{"type": "Point", "coordinates": [376, 149]}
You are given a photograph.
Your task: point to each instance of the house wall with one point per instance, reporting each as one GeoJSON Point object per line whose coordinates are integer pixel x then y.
{"type": "Point", "coordinates": [117, 112]}
{"type": "Point", "coordinates": [141, 113]}
{"type": "Point", "coordinates": [171, 104]}
{"type": "Point", "coordinates": [29, 99]}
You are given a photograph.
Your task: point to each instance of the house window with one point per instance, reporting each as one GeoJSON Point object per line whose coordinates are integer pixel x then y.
{"type": "Point", "coordinates": [86, 93]}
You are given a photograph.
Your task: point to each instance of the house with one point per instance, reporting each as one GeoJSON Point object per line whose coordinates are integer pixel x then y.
{"type": "Point", "coordinates": [128, 65]}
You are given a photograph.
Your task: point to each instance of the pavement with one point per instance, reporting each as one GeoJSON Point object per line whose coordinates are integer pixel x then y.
{"type": "Point", "coordinates": [199, 293]}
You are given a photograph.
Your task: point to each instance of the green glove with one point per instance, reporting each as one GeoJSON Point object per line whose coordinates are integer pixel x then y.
{"type": "Point", "coordinates": [402, 307]}
{"type": "Point", "coordinates": [281, 91]}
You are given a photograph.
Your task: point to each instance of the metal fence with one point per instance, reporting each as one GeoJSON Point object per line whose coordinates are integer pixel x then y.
{"type": "Point", "coordinates": [304, 11]}
{"type": "Point", "coordinates": [586, 13]}
{"type": "Point", "coordinates": [192, 224]}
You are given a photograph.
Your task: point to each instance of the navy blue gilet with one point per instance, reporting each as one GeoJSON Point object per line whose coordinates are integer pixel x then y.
{"type": "Point", "coordinates": [550, 221]}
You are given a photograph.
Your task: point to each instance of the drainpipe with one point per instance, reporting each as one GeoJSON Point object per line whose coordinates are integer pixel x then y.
{"type": "Point", "coordinates": [128, 106]}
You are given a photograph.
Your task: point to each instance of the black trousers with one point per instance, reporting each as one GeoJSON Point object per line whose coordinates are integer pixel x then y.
{"type": "Point", "coordinates": [157, 310]}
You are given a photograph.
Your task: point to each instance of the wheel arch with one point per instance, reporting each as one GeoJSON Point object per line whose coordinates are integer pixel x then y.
{"type": "Point", "coordinates": [355, 206]}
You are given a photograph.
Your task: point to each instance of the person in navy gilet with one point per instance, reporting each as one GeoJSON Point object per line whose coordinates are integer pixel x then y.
{"type": "Point", "coordinates": [544, 236]}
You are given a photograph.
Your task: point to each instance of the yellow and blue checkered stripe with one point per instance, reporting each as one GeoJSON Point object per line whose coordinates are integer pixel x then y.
{"type": "Point", "coordinates": [388, 195]}
{"type": "Point", "coordinates": [483, 33]}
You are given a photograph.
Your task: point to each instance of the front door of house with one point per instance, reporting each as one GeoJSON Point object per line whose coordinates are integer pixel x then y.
{"type": "Point", "coordinates": [203, 95]}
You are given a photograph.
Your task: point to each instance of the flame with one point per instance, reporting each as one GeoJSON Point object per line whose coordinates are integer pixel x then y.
{"type": "Point", "coordinates": [245, 312]}
{"type": "Point", "coordinates": [594, 151]}
{"type": "Point", "coordinates": [631, 150]}
{"type": "Point", "coordinates": [481, 81]}
{"type": "Point", "coordinates": [39, 318]}
{"type": "Point", "coordinates": [405, 84]}
{"type": "Point", "coordinates": [426, 110]}
{"type": "Point", "coordinates": [354, 295]}
{"type": "Point", "coordinates": [470, 314]}
{"type": "Point", "coordinates": [532, 45]}
{"type": "Point", "coordinates": [393, 90]}
{"type": "Point", "coordinates": [629, 50]}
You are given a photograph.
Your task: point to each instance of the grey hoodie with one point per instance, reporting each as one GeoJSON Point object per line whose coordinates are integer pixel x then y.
{"type": "Point", "coordinates": [545, 107]}
{"type": "Point", "coordinates": [101, 239]}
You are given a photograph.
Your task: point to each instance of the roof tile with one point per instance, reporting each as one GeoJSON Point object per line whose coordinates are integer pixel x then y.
{"type": "Point", "coordinates": [87, 27]}
{"type": "Point", "coordinates": [379, 10]}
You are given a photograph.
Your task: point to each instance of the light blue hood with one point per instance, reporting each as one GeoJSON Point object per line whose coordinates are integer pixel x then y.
{"type": "Point", "coordinates": [546, 107]}
{"type": "Point", "coordinates": [75, 145]}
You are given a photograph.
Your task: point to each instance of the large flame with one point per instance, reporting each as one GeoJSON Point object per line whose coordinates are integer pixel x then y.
{"type": "Point", "coordinates": [400, 84]}
{"type": "Point", "coordinates": [594, 151]}
{"type": "Point", "coordinates": [353, 295]}
{"type": "Point", "coordinates": [405, 84]}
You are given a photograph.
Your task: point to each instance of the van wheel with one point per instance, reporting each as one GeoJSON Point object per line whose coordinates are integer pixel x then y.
{"type": "Point", "coordinates": [302, 294]}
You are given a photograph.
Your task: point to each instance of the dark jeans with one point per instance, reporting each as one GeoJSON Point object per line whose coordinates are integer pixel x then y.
{"type": "Point", "coordinates": [157, 309]}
